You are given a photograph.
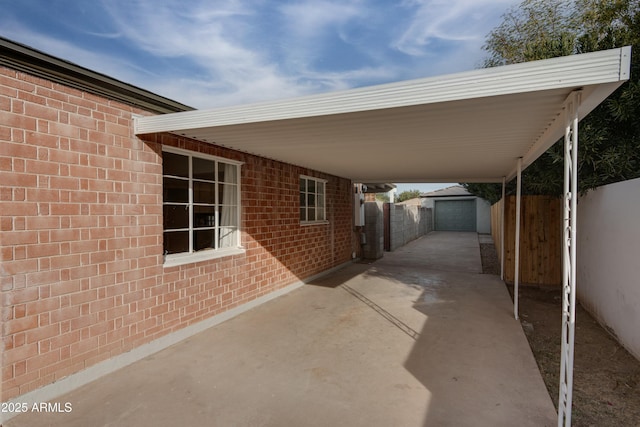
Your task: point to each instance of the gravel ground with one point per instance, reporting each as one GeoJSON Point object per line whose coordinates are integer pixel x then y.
{"type": "Point", "coordinates": [606, 389]}
{"type": "Point", "coordinates": [490, 262]}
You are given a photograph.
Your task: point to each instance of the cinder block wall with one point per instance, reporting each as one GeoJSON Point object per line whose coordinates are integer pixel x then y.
{"type": "Point", "coordinates": [374, 230]}
{"type": "Point", "coordinates": [82, 276]}
{"type": "Point", "coordinates": [408, 223]}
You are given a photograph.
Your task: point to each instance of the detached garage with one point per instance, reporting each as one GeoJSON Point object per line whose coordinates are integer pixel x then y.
{"type": "Point", "coordinates": [455, 209]}
{"type": "Point", "coordinates": [455, 215]}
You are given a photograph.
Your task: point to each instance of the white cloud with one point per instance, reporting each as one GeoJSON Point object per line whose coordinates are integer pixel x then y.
{"type": "Point", "coordinates": [181, 30]}
{"type": "Point", "coordinates": [113, 66]}
{"type": "Point", "coordinates": [310, 18]}
{"type": "Point", "coordinates": [210, 54]}
{"type": "Point", "coordinates": [242, 58]}
{"type": "Point", "coordinates": [310, 32]}
{"type": "Point", "coordinates": [437, 21]}
{"type": "Point", "coordinates": [222, 42]}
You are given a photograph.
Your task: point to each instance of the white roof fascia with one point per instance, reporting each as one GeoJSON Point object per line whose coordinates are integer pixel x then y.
{"type": "Point", "coordinates": [466, 127]}
{"type": "Point", "coordinates": [569, 71]}
{"type": "Point", "coordinates": [590, 99]}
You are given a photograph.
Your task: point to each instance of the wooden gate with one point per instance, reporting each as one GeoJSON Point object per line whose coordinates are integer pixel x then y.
{"type": "Point", "coordinates": [540, 239]}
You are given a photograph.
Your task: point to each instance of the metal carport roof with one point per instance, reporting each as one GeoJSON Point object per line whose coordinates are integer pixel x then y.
{"type": "Point", "coordinates": [466, 127]}
{"type": "Point", "coordinates": [484, 125]}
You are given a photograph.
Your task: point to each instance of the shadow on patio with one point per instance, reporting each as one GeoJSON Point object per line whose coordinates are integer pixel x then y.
{"type": "Point", "coordinates": [470, 354]}
{"type": "Point", "coordinates": [418, 338]}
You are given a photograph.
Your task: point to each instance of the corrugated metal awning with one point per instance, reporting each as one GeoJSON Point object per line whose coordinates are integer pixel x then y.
{"type": "Point", "coordinates": [467, 127]}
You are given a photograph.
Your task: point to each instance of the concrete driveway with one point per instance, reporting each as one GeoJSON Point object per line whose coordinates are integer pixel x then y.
{"type": "Point", "coordinates": [418, 338]}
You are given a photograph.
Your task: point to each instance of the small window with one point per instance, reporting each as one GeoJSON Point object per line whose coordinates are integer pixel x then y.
{"type": "Point", "coordinates": [312, 200]}
{"type": "Point", "coordinates": [201, 203]}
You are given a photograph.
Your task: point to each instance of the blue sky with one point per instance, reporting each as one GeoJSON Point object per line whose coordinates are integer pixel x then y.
{"type": "Point", "coordinates": [215, 53]}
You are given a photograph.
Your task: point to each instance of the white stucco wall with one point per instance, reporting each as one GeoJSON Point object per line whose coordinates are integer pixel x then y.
{"type": "Point", "coordinates": [483, 211]}
{"type": "Point", "coordinates": [608, 259]}
{"type": "Point", "coordinates": [483, 216]}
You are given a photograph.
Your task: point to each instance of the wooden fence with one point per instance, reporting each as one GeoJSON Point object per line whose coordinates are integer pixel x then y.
{"type": "Point", "coordinates": [540, 239]}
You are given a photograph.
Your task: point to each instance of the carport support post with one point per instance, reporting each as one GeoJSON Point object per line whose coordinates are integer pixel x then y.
{"type": "Point", "coordinates": [569, 257]}
{"type": "Point", "coordinates": [504, 206]}
{"type": "Point", "coordinates": [516, 273]}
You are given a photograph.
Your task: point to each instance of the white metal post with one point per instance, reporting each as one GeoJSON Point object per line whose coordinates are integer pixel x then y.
{"type": "Point", "coordinates": [516, 274]}
{"type": "Point", "coordinates": [504, 206]}
{"type": "Point", "coordinates": [569, 258]}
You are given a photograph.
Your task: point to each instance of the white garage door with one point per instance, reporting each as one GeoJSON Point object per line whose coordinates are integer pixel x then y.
{"type": "Point", "coordinates": [455, 215]}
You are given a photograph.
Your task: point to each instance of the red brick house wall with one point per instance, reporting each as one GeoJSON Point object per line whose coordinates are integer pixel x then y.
{"type": "Point", "coordinates": [82, 275]}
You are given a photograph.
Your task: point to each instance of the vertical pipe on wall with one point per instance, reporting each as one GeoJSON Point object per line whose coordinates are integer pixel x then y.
{"type": "Point", "coordinates": [502, 229]}
{"type": "Point", "coordinates": [516, 272]}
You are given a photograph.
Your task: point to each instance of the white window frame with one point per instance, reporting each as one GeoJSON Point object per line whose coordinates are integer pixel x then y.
{"type": "Point", "coordinates": [317, 181]}
{"type": "Point", "coordinates": [171, 260]}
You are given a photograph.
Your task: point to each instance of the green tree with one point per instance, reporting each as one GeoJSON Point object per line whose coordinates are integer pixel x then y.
{"type": "Point", "coordinates": [610, 136]}
{"type": "Point", "coordinates": [536, 29]}
{"type": "Point", "coordinates": [490, 192]}
{"type": "Point", "coordinates": [407, 195]}
{"type": "Point", "coordinates": [382, 197]}
{"type": "Point", "coordinates": [609, 149]}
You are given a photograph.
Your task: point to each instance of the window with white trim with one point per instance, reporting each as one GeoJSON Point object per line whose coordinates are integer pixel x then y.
{"type": "Point", "coordinates": [312, 200]}
{"type": "Point", "coordinates": [201, 202]}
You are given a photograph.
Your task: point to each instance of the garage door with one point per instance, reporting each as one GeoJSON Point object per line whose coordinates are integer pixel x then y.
{"type": "Point", "coordinates": [455, 215]}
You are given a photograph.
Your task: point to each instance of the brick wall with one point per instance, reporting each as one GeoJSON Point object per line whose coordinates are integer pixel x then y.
{"type": "Point", "coordinates": [81, 271]}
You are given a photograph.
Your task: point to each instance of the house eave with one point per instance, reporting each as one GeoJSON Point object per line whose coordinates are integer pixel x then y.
{"type": "Point", "coordinates": [31, 61]}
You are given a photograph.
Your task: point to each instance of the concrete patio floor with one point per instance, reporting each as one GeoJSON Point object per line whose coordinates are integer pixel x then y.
{"type": "Point", "coordinates": [418, 338]}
